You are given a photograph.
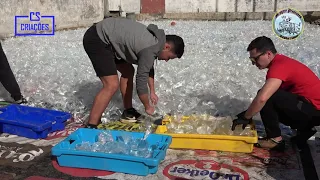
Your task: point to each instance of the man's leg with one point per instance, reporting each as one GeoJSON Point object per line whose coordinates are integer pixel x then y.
{"type": "Point", "coordinates": [102, 99]}
{"type": "Point", "coordinates": [7, 77]}
{"type": "Point", "coordinates": [126, 83]}
{"type": "Point", "coordinates": [270, 118]}
{"type": "Point", "coordinates": [126, 87]}
{"type": "Point", "coordinates": [283, 107]}
{"type": "Point", "coordinates": [102, 58]}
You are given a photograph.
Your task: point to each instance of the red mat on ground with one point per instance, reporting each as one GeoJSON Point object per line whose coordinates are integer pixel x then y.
{"type": "Point", "coordinates": [40, 178]}
{"type": "Point", "coordinates": [79, 172]}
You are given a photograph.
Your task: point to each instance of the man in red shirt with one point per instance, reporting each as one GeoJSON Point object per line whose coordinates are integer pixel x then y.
{"type": "Point", "coordinates": [290, 95]}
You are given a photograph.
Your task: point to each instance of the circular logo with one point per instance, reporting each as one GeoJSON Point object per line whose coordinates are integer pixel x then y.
{"type": "Point", "coordinates": [288, 24]}
{"type": "Point", "coordinates": [203, 169]}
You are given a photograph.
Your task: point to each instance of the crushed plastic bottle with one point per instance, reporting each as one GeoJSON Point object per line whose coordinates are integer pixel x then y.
{"type": "Point", "coordinates": [122, 144]}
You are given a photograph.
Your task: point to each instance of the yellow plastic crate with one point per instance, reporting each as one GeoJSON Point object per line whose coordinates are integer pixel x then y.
{"type": "Point", "coordinates": [242, 144]}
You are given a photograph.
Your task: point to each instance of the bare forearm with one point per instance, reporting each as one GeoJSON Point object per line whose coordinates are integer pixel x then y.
{"type": "Point", "coordinates": [144, 98]}
{"type": "Point", "coordinates": [269, 88]}
{"type": "Point", "coordinates": [151, 84]}
{"type": "Point", "coordinates": [254, 108]}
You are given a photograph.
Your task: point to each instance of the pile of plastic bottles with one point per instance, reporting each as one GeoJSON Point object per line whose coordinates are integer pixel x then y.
{"type": "Point", "coordinates": [204, 124]}
{"type": "Point", "coordinates": [123, 144]}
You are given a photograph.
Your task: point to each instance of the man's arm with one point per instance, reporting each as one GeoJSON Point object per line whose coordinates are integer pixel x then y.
{"type": "Point", "coordinates": [269, 88]}
{"type": "Point", "coordinates": [151, 81]}
{"type": "Point", "coordinates": [151, 85]}
{"type": "Point", "coordinates": [145, 64]}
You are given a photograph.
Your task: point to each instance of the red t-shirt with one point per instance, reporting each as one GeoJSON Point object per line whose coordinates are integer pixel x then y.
{"type": "Point", "coordinates": [296, 78]}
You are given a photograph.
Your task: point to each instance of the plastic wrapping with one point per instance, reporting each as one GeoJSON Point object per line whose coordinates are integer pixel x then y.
{"type": "Point", "coordinates": [214, 76]}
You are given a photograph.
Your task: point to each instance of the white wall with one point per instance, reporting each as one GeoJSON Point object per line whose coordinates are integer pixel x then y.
{"type": "Point", "coordinates": [266, 5]}
{"type": "Point", "coordinates": [185, 6]}
{"type": "Point", "coordinates": [126, 5]}
{"type": "Point", "coordinates": [244, 6]}
{"type": "Point", "coordinates": [179, 6]}
{"type": "Point", "coordinates": [226, 6]}
{"type": "Point", "coordinates": [301, 5]}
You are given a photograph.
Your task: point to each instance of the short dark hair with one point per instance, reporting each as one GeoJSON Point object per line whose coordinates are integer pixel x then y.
{"type": "Point", "coordinates": [178, 44]}
{"type": "Point", "coordinates": [262, 44]}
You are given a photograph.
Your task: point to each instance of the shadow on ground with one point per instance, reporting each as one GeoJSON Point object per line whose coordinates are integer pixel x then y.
{"type": "Point", "coordinates": [43, 168]}
{"type": "Point", "coordinates": [87, 91]}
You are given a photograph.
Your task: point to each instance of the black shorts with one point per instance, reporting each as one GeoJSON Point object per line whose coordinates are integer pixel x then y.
{"type": "Point", "coordinates": [101, 54]}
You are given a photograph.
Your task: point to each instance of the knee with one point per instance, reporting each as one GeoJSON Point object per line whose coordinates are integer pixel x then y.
{"type": "Point", "coordinates": [279, 94]}
{"type": "Point", "coordinates": [269, 102]}
{"type": "Point", "coordinates": [111, 86]}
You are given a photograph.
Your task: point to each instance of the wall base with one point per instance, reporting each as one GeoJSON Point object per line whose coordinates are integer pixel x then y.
{"type": "Point", "coordinates": [311, 17]}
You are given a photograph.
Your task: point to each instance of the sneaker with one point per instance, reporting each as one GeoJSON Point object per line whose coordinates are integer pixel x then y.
{"type": "Point", "coordinates": [91, 126]}
{"type": "Point", "coordinates": [302, 137]}
{"type": "Point", "coordinates": [130, 115]}
{"type": "Point", "coordinates": [271, 144]}
{"type": "Point", "coordinates": [19, 99]}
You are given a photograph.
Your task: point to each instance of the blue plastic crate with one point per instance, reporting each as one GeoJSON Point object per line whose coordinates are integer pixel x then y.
{"type": "Point", "coordinates": [31, 122]}
{"type": "Point", "coordinates": [68, 156]}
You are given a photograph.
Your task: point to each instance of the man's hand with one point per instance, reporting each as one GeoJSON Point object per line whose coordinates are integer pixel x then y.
{"type": "Point", "coordinates": [241, 120]}
{"type": "Point", "coordinates": [150, 110]}
{"type": "Point", "coordinates": [145, 101]}
{"type": "Point", "coordinates": [154, 98]}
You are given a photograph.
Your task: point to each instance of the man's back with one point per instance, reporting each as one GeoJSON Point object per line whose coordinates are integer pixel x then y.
{"type": "Point", "coordinates": [127, 37]}
{"type": "Point", "coordinates": [297, 78]}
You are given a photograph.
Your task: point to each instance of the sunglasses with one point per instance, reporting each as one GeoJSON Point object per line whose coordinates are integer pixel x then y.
{"type": "Point", "coordinates": [255, 59]}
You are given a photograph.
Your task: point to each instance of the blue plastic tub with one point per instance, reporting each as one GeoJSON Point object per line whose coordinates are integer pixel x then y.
{"type": "Point", "coordinates": [69, 157]}
{"type": "Point", "coordinates": [31, 122]}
